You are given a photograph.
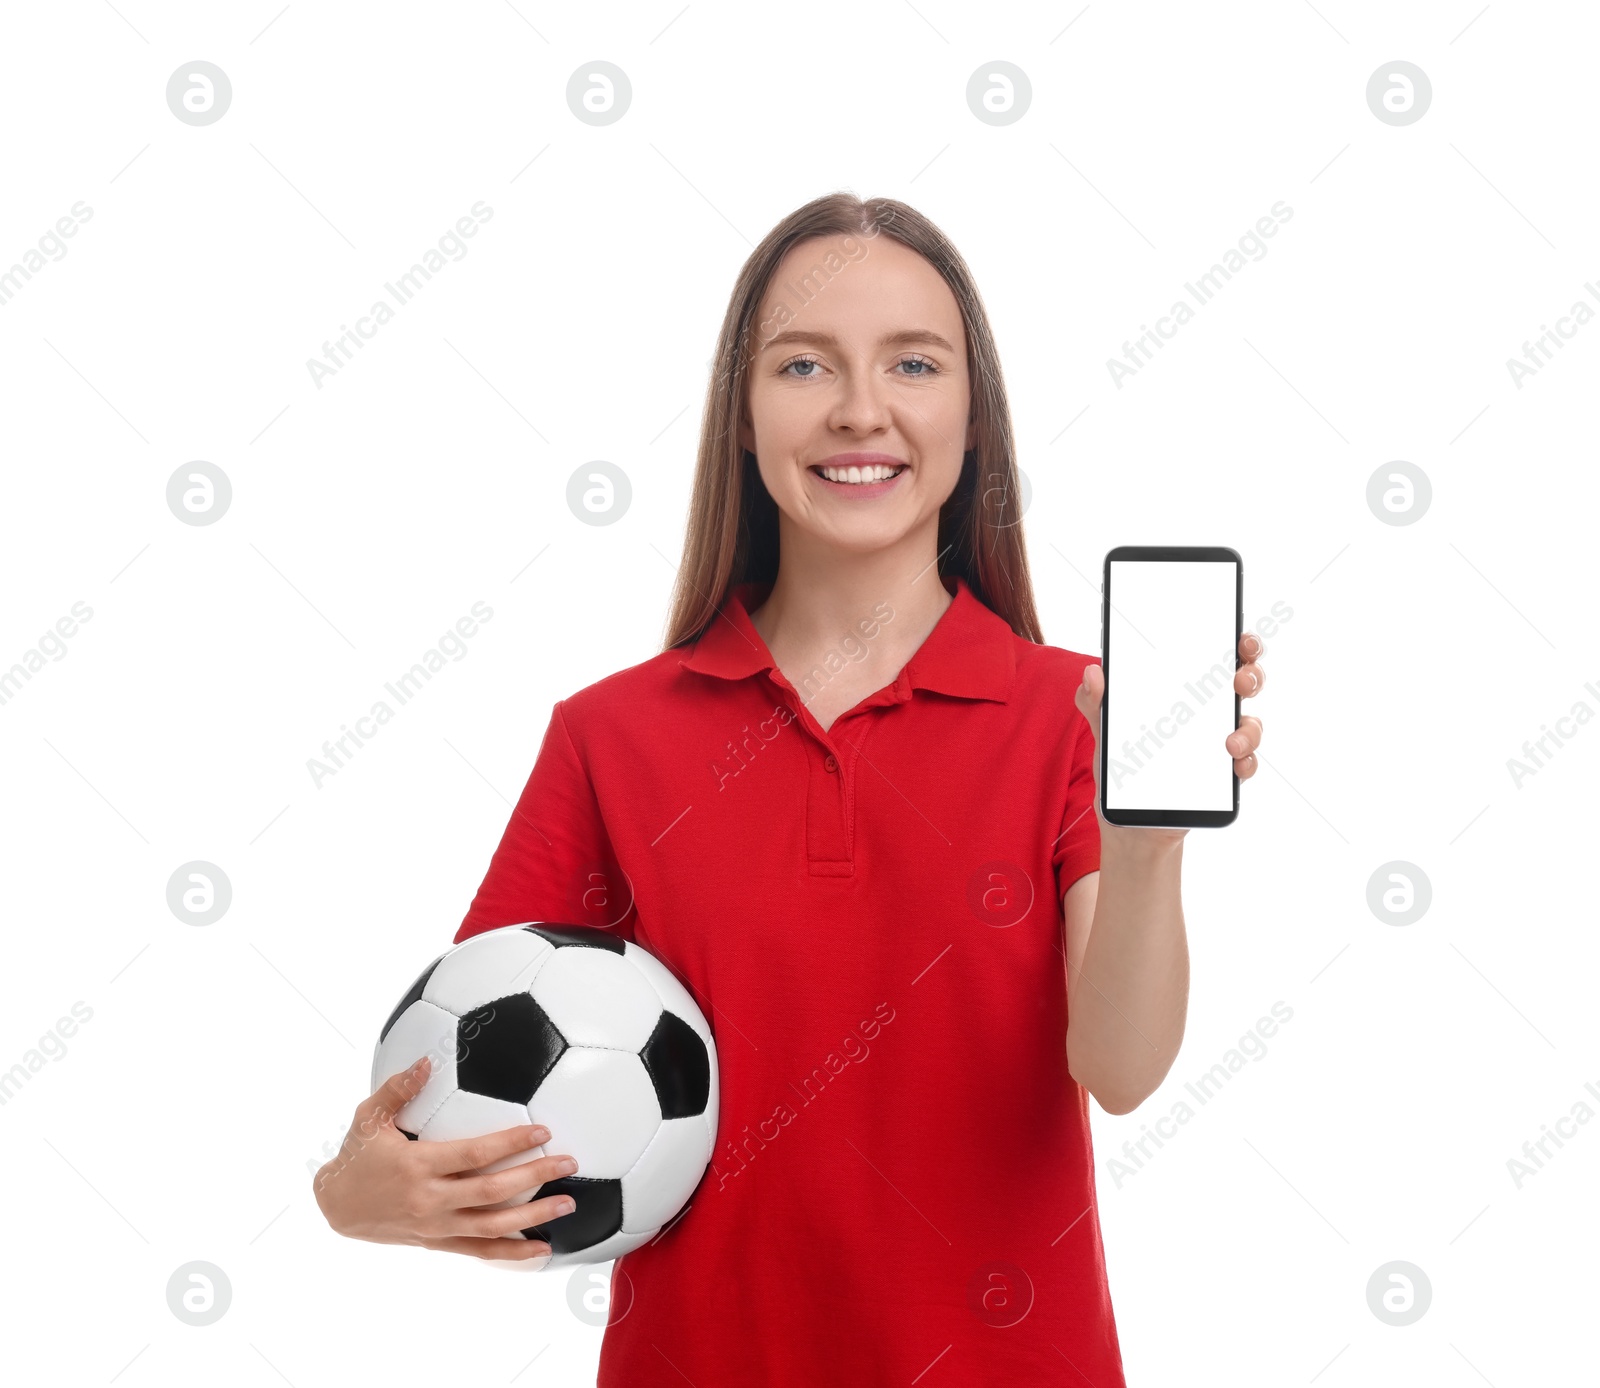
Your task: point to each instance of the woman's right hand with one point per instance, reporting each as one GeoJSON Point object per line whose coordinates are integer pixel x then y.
{"type": "Point", "coordinates": [386, 1188]}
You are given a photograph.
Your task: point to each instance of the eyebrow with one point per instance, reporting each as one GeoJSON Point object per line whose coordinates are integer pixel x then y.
{"type": "Point", "coordinates": [902, 338]}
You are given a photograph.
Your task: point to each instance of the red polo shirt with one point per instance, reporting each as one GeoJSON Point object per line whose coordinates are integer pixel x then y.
{"type": "Point", "coordinates": [870, 918]}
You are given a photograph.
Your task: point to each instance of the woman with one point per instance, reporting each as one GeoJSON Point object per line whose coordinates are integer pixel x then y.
{"type": "Point", "coordinates": [852, 805]}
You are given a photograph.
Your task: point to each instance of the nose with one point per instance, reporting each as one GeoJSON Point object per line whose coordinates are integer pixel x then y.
{"type": "Point", "coordinates": [861, 403]}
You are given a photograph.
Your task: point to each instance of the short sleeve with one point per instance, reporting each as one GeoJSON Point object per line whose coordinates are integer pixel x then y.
{"type": "Point", "coordinates": [1077, 846]}
{"type": "Point", "coordinates": [555, 862]}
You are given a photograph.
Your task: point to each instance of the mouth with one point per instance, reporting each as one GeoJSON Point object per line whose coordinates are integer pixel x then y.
{"type": "Point", "coordinates": [861, 480]}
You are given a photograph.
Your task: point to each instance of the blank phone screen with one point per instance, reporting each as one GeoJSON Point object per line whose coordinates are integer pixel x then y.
{"type": "Point", "coordinates": [1170, 657]}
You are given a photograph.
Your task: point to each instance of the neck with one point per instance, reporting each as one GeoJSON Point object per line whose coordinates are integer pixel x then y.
{"type": "Point", "coordinates": [823, 593]}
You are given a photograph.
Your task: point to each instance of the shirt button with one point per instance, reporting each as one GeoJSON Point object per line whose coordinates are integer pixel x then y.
{"type": "Point", "coordinates": [829, 763]}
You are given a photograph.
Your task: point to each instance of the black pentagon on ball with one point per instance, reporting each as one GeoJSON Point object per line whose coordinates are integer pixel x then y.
{"type": "Point", "coordinates": [413, 993]}
{"type": "Point", "coordinates": [588, 935]}
{"type": "Point", "coordinates": [596, 1215]}
{"type": "Point", "coordinates": [505, 1048]}
{"type": "Point", "coordinates": [676, 1060]}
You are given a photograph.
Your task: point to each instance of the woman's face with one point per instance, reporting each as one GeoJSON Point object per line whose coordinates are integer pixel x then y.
{"type": "Point", "coordinates": [868, 376]}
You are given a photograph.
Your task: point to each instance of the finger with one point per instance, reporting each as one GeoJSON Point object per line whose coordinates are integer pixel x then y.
{"type": "Point", "coordinates": [496, 1224]}
{"type": "Point", "coordinates": [470, 1156]}
{"type": "Point", "coordinates": [379, 1107]}
{"type": "Point", "coordinates": [1089, 693]}
{"type": "Point", "coordinates": [490, 1188]}
{"type": "Point", "coordinates": [494, 1250]}
{"type": "Point", "coordinates": [1087, 699]}
{"type": "Point", "coordinates": [1251, 646]}
{"type": "Point", "coordinates": [1248, 680]}
{"type": "Point", "coordinates": [1245, 767]}
{"type": "Point", "coordinates": [1246, 737]}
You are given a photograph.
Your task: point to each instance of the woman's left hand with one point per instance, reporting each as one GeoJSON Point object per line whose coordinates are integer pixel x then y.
{"type": "Point", "coordinates": [1242, 742]}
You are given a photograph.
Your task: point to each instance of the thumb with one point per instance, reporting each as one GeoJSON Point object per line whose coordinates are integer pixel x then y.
{"type": "Point", "coordinates": [380, 1107]}
{"type": "Point", "coordinates": [1090, 693]}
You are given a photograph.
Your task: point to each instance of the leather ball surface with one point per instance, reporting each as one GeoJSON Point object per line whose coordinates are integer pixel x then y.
{"type": "Point", "coordinates": [585, 1033]}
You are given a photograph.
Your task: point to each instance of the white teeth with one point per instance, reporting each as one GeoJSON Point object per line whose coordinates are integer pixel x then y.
{"type": "Point", "coordinates": [874, 472]}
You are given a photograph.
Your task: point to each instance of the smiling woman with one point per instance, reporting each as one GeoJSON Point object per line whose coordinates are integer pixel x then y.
{"type": "Point", "coordinates": [853, 261]}
{"type": "Point", "coordinates": [857, 400]}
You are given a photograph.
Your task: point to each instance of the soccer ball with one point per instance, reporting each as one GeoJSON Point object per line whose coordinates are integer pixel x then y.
{"type": "Point", "coordinates": [585, 1033]}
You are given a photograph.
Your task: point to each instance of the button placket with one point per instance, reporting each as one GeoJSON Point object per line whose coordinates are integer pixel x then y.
{"type": "Point", "coordinates": [827, 810]}
{"type": "Point", "coordinates": [827, 821]}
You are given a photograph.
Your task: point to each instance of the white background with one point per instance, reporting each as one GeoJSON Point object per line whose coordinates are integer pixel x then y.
{"type": "Point", "coordinates": [430, 473]}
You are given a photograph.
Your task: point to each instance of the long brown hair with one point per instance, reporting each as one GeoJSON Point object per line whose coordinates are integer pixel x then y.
{"type": "Point", "coordinates": [732, 531]}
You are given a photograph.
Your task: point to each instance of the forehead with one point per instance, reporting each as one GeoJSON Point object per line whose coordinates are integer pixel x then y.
{"type": "Point", "coordinates": [854, 286]}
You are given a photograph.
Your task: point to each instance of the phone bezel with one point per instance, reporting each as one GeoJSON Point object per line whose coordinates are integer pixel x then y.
{"type": "Point", "coordinates": [1216, 554]}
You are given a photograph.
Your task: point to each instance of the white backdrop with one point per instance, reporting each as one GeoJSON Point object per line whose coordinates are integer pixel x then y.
{"type": "Point", "coordinates": [177, 1117]}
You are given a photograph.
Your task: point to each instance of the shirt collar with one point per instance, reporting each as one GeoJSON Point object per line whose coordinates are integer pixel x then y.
{"type": "Point", "coordinates": [970, 653]}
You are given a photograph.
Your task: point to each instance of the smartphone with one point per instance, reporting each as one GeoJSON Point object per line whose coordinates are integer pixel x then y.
{"type": "Point", "coordinates": [1170, 621]}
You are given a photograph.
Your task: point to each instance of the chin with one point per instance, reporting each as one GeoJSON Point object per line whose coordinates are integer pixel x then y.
{"type": "Point", "coordinates": [864, 540]}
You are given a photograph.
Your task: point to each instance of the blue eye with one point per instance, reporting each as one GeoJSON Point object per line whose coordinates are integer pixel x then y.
{"type": "Point", "coordinates": [929, 368]}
